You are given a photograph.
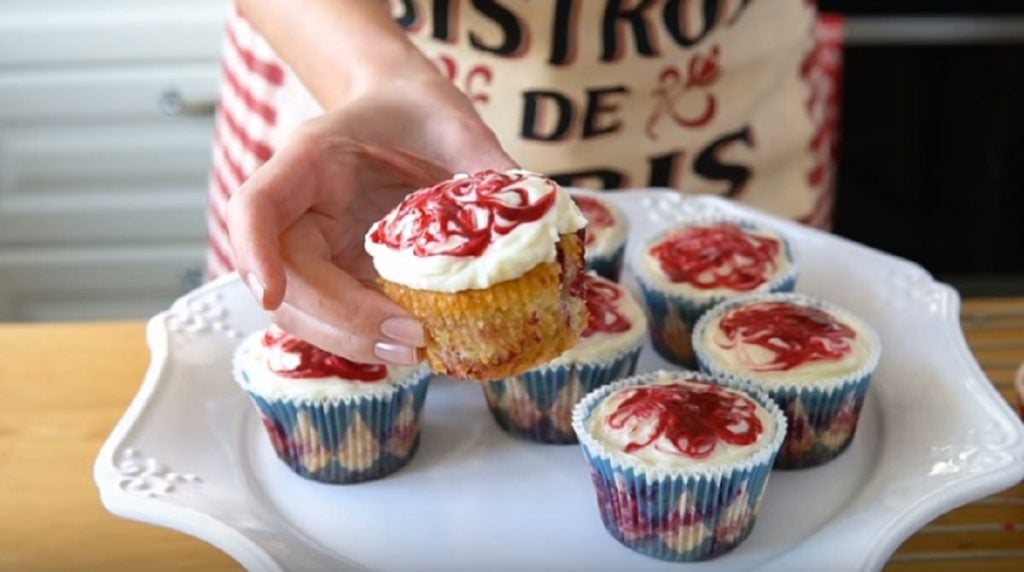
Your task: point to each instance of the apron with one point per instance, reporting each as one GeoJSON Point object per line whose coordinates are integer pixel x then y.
{"type": "Point", "coordinates": [739, 98]}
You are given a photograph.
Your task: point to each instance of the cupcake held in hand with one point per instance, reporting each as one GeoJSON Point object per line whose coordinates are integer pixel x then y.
{"type": "Point", "coordinates": [813, 358]}
{"type": "Point", "coordinates": [692, 267]}
{"type": "Point", "coordinates": [607, 228]}
{"type": "Point", "coordinates": [491, 264]}
{"type": "Point", "coordinates": [537, 405]}
{"type": "Point", "coordinates": [679, 461]}
{"type": "Point", "coordinates": [330, 419]}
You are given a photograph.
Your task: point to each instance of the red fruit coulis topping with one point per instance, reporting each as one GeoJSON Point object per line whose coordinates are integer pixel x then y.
{"type": "Point", "coordinates": [598, 216]}
{"type": "Point", "coordinates": [718, 256]}
{"type": "Point", "coordinates": [462, 217]}
{"type": "Point", "coordinates": [795, 334]}
{"type": "Point", "coordinates": [317, 363]}
{"type": "Point", "coordinates": [603, 299]}
{"type": "Point", "coordinates": [692, 418]}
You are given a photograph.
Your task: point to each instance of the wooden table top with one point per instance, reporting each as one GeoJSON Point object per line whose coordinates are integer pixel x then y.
{"type": "Point", "coordinates": [55, 419]}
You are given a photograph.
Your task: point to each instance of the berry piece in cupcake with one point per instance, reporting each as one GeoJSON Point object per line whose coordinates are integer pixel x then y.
{"type": "Point", "coordinates": [537, 405]}
{"type": "Point", "coordinates": [680, 461]}
{"type": "Point", "coordinates": [492, 265]}
{"type": "Point", "coordinates": [813, 358]}
{"type": "Point", "coordinates": [691, 267]}
{"type": "Point", "coordinates": [330, 419]}
{"type": "Point", "coordinates": [607, 228]}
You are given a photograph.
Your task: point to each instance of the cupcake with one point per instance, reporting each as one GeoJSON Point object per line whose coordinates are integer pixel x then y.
{"type": "Point", "coordinates": [679, 461]}
{"type": "Point", "coordinates": [330, 419]}
{"type": "Point", "coordinates": [537, 405]}
{"type": "Point", "coordinates": [491, 264]}
{"type": "Point", "coordinates": [690, 268]}
{"type": "Point", "coordinates": [813, 358]}
{"type": "Point", "coordinates": [606, 234]}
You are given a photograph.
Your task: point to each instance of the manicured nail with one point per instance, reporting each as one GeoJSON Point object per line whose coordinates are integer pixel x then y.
{"type": "Point", "coordinates": [396, 353]}
{"type": "Point", "coordinates": [256, 287]}
{"type": "Point", "coordinates": [405, 330]}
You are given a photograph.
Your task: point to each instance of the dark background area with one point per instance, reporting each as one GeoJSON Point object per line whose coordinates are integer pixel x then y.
{"type": "Point", "coordinates": [921, 7]}
{"type": "Point", "coordinates": [932, 146]}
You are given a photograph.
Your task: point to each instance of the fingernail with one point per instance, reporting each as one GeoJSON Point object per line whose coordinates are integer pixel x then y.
{"type": "Point", "coordinates": [257, 287]}
{"type": "Point", "coordinates": [405, 330]}
{"type": "Point", "coordinates": [396, 353]}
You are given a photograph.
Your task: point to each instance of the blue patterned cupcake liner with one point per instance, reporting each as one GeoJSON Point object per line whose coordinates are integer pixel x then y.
{"type": "Point", "coordinates": [674, 513]}
{"type": "Point", "coordinates": [822, 414]}
{"type": "Point", "coordinates": [345, 440]}
{"type": "Point", "coordinates": [609, 265]}
{"type": "Point", "coordinates": [537, 405]}
{"type": "Point", "coordinates": [672, 315]}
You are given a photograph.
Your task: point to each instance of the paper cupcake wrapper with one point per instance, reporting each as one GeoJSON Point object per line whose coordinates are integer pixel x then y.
{"type": "Point", "coordinates": [671, 319]}
{"type": "Point", "coordinates": [608, 265]}
{"type": "Point", "coordinates": [674, 315]}
{"type": "Point", "coordinates": [538, 404]}
{"type": "Point", "coordinates": [677, 514]}
{"type": "Point", "coordinates": [822, 415]}
{"type": "Point", "coordinates": [346, 441]}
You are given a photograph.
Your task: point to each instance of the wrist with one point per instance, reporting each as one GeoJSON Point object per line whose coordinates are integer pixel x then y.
{"type": "Point", "coordinates": [340, 49]}
{"type": "Point", "coordinates": [400, 64]}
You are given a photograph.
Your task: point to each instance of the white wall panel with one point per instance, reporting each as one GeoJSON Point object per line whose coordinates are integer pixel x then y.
{"type": "Point", "coordinates": [102, 197]}
{"type": "Point", "coordinates": [89, 32]}
{"type": "Point", "coordinates": [94, 283]}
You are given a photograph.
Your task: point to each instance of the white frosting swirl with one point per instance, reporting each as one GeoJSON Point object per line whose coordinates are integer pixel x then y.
{"type": "Point", "coordinates": [649, 267]}
{"type": "Point", "coordinates": [606, 239]}
{"type": "Point", "coordinates": [252, 362]}
{"type": "Point", "coordinates": [659, 453]}
{"type": "Point", "coordinates": [508, 256]}
{"type": "Point", "coordinates": [740, 358]}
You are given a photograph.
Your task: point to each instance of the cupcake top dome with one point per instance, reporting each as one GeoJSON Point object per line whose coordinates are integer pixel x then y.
{"type": "Point", "coordinates": [715, 258]}
{"type": "Point", "coordinates": [677, 420]}
{"type": "Point", "coordinates": [784, 339]}
{"type": "Point", "coordinates": [472, 231]}
{"type": "Point", "coordinates": [606, 225]}
{"type": "Point", "coordinates": [616, 322]}
{"type": "Point", "coordinates": [276, 364]}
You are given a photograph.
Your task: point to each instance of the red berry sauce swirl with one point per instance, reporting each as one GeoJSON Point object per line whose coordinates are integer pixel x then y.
{"type": "Point", "coordinates": [598, 216]}
{"type": "Point", "coordinates": [317, 363]}
{"type": "Point", "coordinates": [462, 216]}
{"type": "Point", "coordinates": [603, 298]}
{"type": "Point", "coordinates": [692, 417]}
{"type": "Point", "coordinates": [718, 256]}
{"type": "Point", "coordinates": [795, 334]}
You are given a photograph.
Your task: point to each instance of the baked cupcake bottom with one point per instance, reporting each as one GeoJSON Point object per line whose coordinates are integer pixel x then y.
{"type": "Point", "coordinates": [508, 328]}
{"type": "Point", "coordinates": [346, 442]}
{"type": "Point", "coordinates": [537, 405]}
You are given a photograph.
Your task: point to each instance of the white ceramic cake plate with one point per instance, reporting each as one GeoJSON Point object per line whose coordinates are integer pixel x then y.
{"type": "Point", "coordinates": [190, 453]}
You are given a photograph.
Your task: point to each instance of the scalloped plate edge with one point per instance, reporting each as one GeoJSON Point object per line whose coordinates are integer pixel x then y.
{"type": "Point", "coordinates": [108, 478]}
{"type": "Point", "coordinates": [910, 518]}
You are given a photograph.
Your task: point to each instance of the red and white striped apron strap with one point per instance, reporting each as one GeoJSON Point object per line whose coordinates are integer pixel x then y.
{"type": "Point", "coordinates": [251, 78]}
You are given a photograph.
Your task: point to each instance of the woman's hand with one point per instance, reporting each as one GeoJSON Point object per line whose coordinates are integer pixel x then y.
{"type": "Point", "coordinates": [297, 225]}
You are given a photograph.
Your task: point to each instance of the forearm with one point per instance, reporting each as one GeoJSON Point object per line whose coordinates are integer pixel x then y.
{"type": "Point", "coordinates": [337, 47]}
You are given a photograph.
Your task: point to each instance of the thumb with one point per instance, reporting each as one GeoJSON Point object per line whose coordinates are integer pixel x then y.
{"type": "Point", "coordinates": [334, 311]}
{"type": "Point", "coordinates": [476, 148]}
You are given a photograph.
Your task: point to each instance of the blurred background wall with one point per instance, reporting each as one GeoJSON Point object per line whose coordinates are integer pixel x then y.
{"type": "Point", "coordinates": [106, 113]}
{"type": "Point", "coordinates": [102, 173]}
